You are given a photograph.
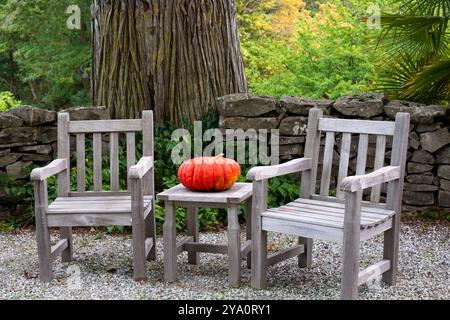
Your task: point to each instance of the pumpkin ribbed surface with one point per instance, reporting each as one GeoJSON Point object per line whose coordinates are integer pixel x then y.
{"type": "Point", "coordinates": [209, 173]}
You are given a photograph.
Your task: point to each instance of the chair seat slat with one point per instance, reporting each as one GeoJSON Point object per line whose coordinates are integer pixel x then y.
{"type": "Point", "coordinates": [300, 211]}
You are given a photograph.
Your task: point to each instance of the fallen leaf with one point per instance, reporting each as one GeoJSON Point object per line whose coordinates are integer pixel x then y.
{"type": "Point", "coordinates": [111, 270]}
{"type": "Point", "coordinates": [29, 276]}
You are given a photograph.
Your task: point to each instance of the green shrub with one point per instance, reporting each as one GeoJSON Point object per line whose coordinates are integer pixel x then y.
{"type": "Point", "coordinates": [296, 48]}
{"type": "Point", "coordinates": [7, 101]}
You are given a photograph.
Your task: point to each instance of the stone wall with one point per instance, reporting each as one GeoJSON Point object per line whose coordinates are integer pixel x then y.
{"type": "Point", "coordinates": [27, 139]}
{"type": "Point", "coordinates": [427, 181]}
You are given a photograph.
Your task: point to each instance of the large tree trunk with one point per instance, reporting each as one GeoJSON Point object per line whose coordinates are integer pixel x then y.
{"type": "Point", "coordinates": [173, 56]}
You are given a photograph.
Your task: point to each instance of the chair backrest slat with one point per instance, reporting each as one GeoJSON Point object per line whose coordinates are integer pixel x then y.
{"type": "Point", "coordinates": [114, 160]}
{"type": "Point", "coordinates": [344, 161]}
{"type": "Point", "coordinates": [81, 162]}
{"type": "Point", "coordinates": [104, 126]}
{"type": "Point", "coordinates": [378, 163]}
{"type": "Point", "coordinates": [362, 154]}
{"type": "Point", "coordinates": [357, 126]}
{"type": "Point", "coordinates": [97, 155]}
{"type": "Point", "coordinates": [63, 153]}
{"type": "Point", "coordinates": [327, 164]}
{"type": "Point", "coordinates": [131, 152]}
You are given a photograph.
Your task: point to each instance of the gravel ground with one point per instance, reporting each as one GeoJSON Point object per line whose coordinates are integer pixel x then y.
{"type": "Point", "coordinates": [103, 268]}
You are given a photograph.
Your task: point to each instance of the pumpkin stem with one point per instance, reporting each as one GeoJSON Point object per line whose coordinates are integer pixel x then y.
{"type": "Point", "coordinates": [219, 156]}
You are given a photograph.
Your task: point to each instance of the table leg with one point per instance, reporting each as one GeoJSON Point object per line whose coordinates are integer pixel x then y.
{"type": "Point", "coordinates": [192, 230]}
{"type": "Point", "coordinates": [248, 228]}
{"type": "Point", "coordinates": [170, 243]}
{"type": "Point", "coordinates": [234, 247]}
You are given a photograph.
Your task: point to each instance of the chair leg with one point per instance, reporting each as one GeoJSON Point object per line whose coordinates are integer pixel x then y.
{"type": "Point", "coordinates": [351, 239]}
{"type": "Point", "coordinates": [259, 256]}
{"type": "Point", "coordinates": [67, 254]}
{"type": "Point", "coordinates": [390, 252]}
{"type": "Point", "coordinates": [44, 250]}
{"type": "Point", "coordinates": [259, 236]}
{"type": "Point", "coordinates": [305, 259]}
{"type": "Point", "coordinates": [139, 271]}
{"type": "Point", "coordinates": [138, 231]}
{"type": "Point", "coordinates": [44, 246]}
{"type": "Point", "coordinates": [150, 232]}
{"type": "Point", "coordinates": [350, 271]}
{"type": "Point", "coordinates": [248, 228]}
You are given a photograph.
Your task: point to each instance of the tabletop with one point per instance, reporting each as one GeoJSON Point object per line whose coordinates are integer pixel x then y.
{"type": "Point", "coordinates": [238, 193]}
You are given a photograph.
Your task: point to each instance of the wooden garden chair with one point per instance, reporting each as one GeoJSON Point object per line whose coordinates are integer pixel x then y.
{"type": "Point", "coordinates": [344, 218]}
{"type": "Point", "coordinates": [133, 207]}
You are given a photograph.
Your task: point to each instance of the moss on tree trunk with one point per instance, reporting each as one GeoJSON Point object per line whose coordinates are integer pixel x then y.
{"type": "Point", "coordinates": [173, 56]}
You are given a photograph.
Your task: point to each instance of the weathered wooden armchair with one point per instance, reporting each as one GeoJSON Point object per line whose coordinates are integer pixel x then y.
{"type": "Point", "coordinates": [344, 218]}
{"type": "Point", "coordinates": [133, 207]}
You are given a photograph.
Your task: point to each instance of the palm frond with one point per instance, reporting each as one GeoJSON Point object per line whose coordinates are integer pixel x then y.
{"type": "Point", "coordinates": [431, 84]}
{"type": "Point", "coordinates": [413, 61]}
{"type": "Point", "coordinates": [426, 7]}
{"type": "Point", "coordinates": [391, 75]}
{"type": "Point", "coordinates": [406, 80]}
{"type": "Point", "coordinates": [424, 37]}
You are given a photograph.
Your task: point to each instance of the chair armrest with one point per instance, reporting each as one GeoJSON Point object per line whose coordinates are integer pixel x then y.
{"type": "Point", "coordinates": [139, 170]}
{"type": "Point", "coordinates": [361, 182]}
{"type": "Point", "coordinates": [266, 172]}
{"type": "Point", "coordinates": [54, 167]}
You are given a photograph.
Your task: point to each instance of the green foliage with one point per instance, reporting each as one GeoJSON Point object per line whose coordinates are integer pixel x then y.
{"type": "Point", "coordinates": [24, 192]}
{"type": "Point", "coordinates": [41, 60]}
{"type": "Point", "coordinates": [116, 229]}
{"type": "Point", "coordinates": [414, 52]}
{"type": "Point", "coordinates": [434, 214]}
{"type": "Point", "coordinates": [283, 190]}
{"type": "Point", "coordinates": [7, 101]}
{"type": "Point", "coordinates": [165, 170]}
{"type": "Point", "coordinates": [317, 51]}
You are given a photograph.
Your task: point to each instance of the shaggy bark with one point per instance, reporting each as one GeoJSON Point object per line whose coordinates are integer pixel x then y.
{"type": "Point", "coordinates": [173, 56]}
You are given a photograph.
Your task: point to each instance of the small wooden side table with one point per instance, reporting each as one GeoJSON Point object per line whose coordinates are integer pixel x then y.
{"type": "Point", "coordinates": [230, 200]}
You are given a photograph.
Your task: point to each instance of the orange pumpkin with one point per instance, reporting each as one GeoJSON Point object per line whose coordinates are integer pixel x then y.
{"type": "Point", "coordinates": [209, 173]}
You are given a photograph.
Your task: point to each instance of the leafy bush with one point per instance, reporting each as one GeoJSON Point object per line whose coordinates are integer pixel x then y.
{"type": "Point", "coordinates": [42, 61]}
{"type": "Point", "coordinates": [295, 48]}
{"type": "Point", "coordinates": [7, 101]}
